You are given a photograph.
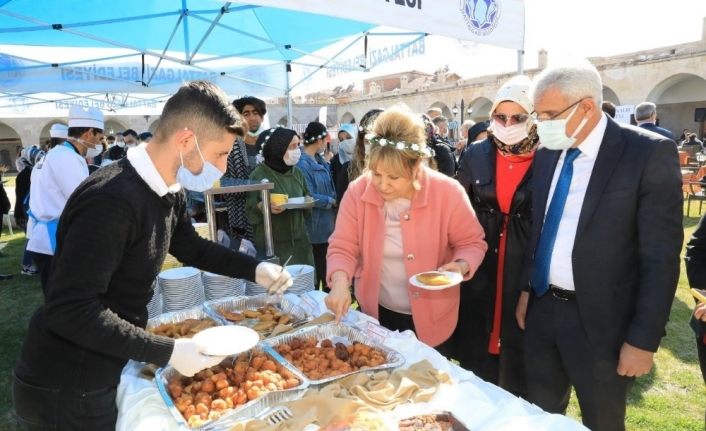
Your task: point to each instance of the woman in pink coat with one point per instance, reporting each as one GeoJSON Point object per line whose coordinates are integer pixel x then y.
{"type": "Point", "coordinates": [399, 219]}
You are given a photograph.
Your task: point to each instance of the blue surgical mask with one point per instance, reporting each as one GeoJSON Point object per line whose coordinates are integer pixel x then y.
{"type": "Point", "coordinates": [552, 133]}
{"type": "Point", "coordinates": [198, 182]}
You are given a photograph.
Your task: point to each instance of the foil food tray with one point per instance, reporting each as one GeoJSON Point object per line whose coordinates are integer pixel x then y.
{"type": "Point", "coordinates": [247, 410]}
{"type": "Point", "coordinates": [242, 303]}
{"type": "Point", "coordinates": [180, 316]}
{"type": "Point", "coordinates": [336, 332]}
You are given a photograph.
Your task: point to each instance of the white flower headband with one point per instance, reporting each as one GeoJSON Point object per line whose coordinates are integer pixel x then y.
{"type": "Point", "coordinates": [322, 135]}
{"type": "Point", "coordinates": [267, 137]}
{"type": "Point", "coordinates": [401, 145]}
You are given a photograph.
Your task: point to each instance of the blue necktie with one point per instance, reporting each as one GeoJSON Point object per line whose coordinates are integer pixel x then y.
{"type": "Point", "coordinates": [543, 255]}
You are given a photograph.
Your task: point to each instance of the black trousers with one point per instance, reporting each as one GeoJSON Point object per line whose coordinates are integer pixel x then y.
{"type": "Point", "coordinates": [320, 251]}
{"type": "Point", "coordinates": [71, 409]}
{"type": "Point", "coordinates": [43, 262]}
{"type": "Point", "coordinates": [558, 355]}
{"type": "Point", "coordinates": [402, 322]}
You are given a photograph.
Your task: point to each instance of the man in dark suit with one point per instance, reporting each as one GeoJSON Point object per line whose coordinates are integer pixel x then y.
{"type": "Point", "coordinates": [605, 243]}
{"type": "Point", "coordinates": [646, 117]}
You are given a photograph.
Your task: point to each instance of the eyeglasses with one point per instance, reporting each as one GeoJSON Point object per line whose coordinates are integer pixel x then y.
{"type": "Point", "coordinates": [539, 118]}
{"type": "Point", "coordinates": [516, 118]}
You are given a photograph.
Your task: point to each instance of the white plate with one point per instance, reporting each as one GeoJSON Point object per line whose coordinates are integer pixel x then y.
{"type": "Point", "coordinates": [455, 278]}
{"type": "Point", "coordinates": [299, 203]}
{"type": "Point", "coordinates": [226, 340]}
{"type": "Point", "coordinates": [179, 273]}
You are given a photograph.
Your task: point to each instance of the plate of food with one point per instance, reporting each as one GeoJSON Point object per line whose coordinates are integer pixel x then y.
{"type": "Point", "coordinates": [436, 280]}
{"type": "Point", "coordinates": [304, 202]}
{"type": "Point", "coordinates": [226, 340]}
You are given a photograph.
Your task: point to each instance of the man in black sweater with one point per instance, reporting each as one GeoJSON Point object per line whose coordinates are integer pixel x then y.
{"type": "Point", "coordinates": [95, 311]}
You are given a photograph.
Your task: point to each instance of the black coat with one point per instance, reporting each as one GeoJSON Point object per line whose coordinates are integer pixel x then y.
{"type": "Point", "coordinates": [444, 156]}
{"type": "Point", "coordinates": [22, 183]}
{"type": "Point", "coordinates": [339, 174]}
{"type": "Point", "coordinates": [477, 175]}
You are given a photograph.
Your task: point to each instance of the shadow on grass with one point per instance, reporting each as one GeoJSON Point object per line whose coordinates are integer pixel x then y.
{"type": "Point", "coordinates": [19, 298]}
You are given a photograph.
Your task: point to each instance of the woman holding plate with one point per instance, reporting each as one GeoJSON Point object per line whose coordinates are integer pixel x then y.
{"type": "Point", "coordinates": [280, 151]}
{"type": "Point", "coordinates": [400, 219]}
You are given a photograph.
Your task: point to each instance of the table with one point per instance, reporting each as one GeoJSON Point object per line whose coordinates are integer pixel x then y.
{"type": "Point", "coordinates": [479, 404]}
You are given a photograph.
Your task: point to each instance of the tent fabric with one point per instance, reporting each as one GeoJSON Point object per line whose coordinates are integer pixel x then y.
{"type": "Point", "coordinates": [138, 46]}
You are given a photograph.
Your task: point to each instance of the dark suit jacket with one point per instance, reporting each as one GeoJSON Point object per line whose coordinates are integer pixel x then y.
{"type": "Point", "coordinates": [659, 130]}
{"type": "Point", "coordinates": [696, 268]}
{"type": "Point", "coordinates": [629, 236]}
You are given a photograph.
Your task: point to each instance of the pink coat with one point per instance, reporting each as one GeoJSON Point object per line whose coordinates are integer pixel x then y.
{"type": "Point", "coordinates": [439, 228]}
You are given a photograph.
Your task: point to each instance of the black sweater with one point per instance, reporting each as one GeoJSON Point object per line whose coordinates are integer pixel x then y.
{"type": "Point", "coordinates": [95, 309]}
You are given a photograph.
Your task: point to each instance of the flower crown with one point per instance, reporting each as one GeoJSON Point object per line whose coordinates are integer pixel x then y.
{"type": "Point", "coordinates": [267, 137]}
{"type": "Point", "coordinates": [315, 137]}
{"type": "Point", "coordinates": [398, 145]}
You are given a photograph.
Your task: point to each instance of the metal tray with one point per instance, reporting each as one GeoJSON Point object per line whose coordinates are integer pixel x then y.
{"type": "Point", "coordinates": [456, 425]}
{"type": "Point", "coordinates": [243, 303]}
{"type": "Point", "coordinates": [180, 316]}
{"type": "Point", "coordinates": [336, 331]}
{"type": "Point", "coordinates": [247, 410]}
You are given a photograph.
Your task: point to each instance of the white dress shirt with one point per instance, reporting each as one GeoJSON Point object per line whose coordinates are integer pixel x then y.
{"type": "Point", "coordinates": [561, 270]}
{"type": "Point", "coordinates": [141, 161]}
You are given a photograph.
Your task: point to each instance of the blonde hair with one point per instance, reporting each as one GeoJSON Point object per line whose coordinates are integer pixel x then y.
{"type": "Point", "coordinates": [397, 125]}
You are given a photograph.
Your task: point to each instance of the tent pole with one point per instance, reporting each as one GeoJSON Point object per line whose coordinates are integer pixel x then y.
{"type": "Point", "coordinates": [287, 71]}
{"type": "Point", "coordinates": [520, 62]}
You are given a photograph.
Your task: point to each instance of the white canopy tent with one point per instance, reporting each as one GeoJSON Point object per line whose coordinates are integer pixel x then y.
{"type": "Point", "coordinates": [92, 51]}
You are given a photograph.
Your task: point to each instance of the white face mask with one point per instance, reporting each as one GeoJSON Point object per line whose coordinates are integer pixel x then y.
{"type": "Point", "coordinates": [120, 144]}
{"type": "Point", "coordinates": [93, 152]}
{"type": "Point", "coordinates": [509, 135]}
{"type": "Point", "coordinates": [552, 133]}
{"type": "Point", "coordinates": [131, 146]}
{"type": "Point", "coordinates": [198, 182]}
{"type": "Point", "coordinates": [347, 146]}
{"type": "Point", "coordinates": [292, 157]}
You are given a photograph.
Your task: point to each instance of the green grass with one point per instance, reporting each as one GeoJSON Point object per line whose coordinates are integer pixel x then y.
{"type": "Point", "coordinates": [670, 398]}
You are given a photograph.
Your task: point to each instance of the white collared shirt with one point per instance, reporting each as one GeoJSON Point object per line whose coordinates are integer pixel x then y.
{"type": "Point", "coordinates": [561, 270]}
{"type": "Point", "coordinates": [141, 161]}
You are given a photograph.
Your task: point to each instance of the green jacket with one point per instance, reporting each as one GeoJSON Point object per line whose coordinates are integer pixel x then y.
{"type": "Point", "coordinates": [288, 228]}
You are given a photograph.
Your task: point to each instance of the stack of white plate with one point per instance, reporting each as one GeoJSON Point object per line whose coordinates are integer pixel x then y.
{"type": "Point", "coordinates": [304, 279]}
{"type": "Point", "coordinates": [181, 288]}
{"type": "Point", "coordinates": [218, 286]}
{"type": "Point", "coordinates": [154, 307]}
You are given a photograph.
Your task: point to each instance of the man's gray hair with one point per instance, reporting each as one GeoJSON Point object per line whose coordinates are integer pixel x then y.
{"type": "Point", "coordinates": [440, 119]}
{"type": "Point", "coordinates": [644, 111]}
{"type": "Point", "coordinates": [575, 82]}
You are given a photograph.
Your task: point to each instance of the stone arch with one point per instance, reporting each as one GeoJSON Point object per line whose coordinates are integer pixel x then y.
{"type": "Point", "coordinates": [679, 88]}
{"type": "Point", "coordinates": [480, 109]}
{"type": "Point", "coordinates": [676, 98]}
{"type": "Point", "coordinates": [10, 145]}
{"type": "Point", "coordinates": [347, 118]}
{"type": "Point", "coordinates": [610, 96]}
{"type": "Point", "coordinates": [114, 126]}
{"type": "Point", "coordinates": [445, 110]}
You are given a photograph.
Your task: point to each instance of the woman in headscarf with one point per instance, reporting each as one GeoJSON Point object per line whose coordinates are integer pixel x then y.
{"type": "Point", "coordinates": [280, 151]}
{"type": "Point", "coordinates": [495, 173]}
{"type": "Point", "coordinates": [317, 174]}
{"type": "Point", "coordinates": [347, 135]}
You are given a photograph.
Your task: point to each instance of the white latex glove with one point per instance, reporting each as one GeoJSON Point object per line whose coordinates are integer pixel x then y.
{"type": "Point", "coordinates": [247, 247]}
{"type": "Point", "coordinates": [273, 277]}
{"type": "Point", "coordinates": [188, 359]}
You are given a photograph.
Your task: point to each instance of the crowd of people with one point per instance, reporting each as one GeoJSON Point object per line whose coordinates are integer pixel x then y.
{"type": "Point", "coordinates": [564, 225]}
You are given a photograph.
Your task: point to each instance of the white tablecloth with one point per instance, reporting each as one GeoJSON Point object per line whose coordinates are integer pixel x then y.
{"type": "Point", "coordinates": [478, 404]}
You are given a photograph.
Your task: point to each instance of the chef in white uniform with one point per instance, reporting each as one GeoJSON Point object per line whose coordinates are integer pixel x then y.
{"type": "Point", "coordinates": [55, 177]}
